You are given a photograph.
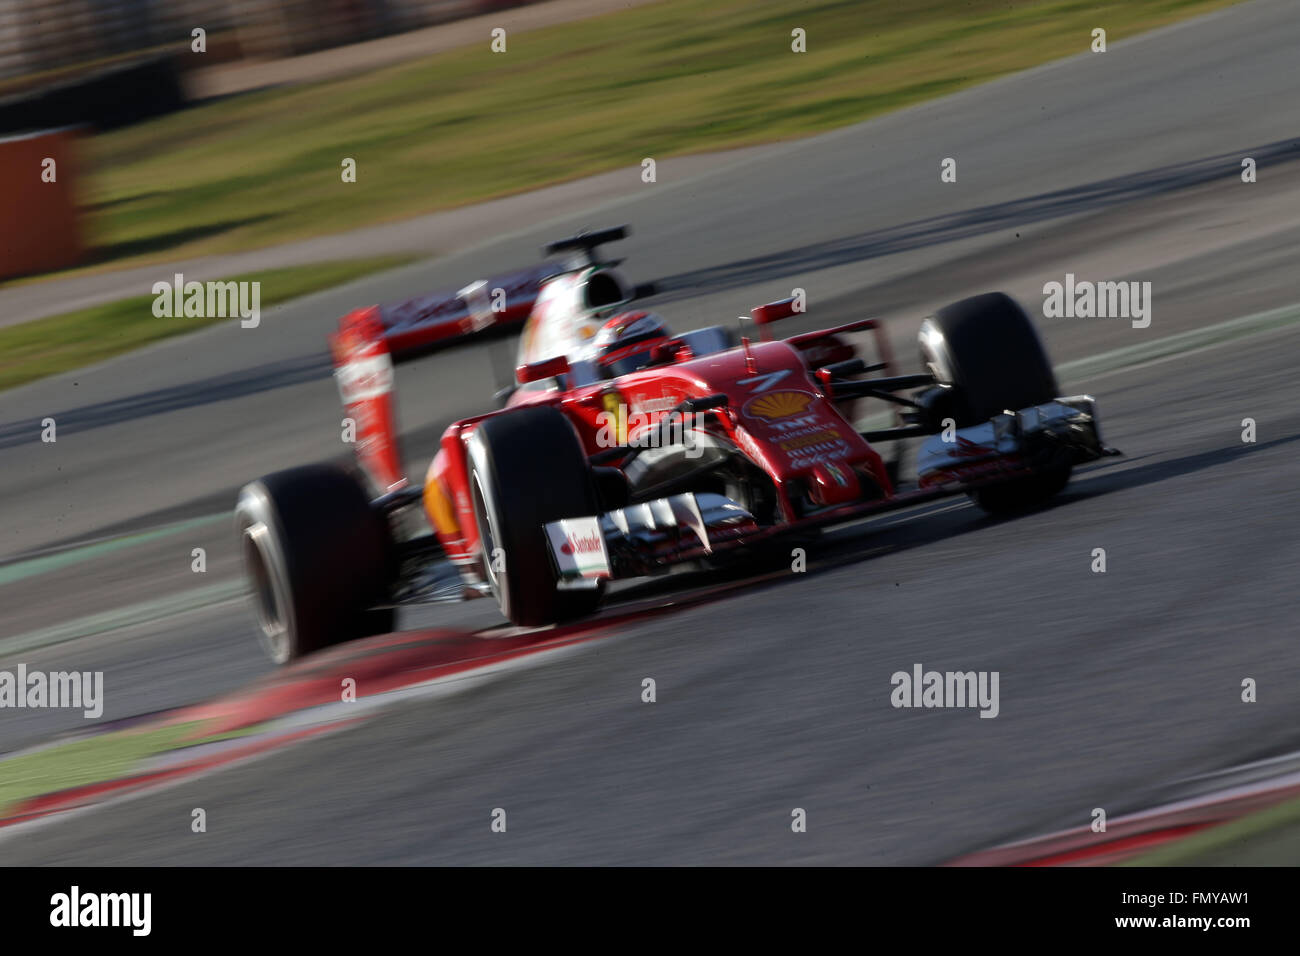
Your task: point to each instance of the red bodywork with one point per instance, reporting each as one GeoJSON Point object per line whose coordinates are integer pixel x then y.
{"type": "Point", "coordinates": [364, 374]}
{"type": "Point", "coordinates": [780, 413]}
{"type": "Point", "coordinates": [778, 416]}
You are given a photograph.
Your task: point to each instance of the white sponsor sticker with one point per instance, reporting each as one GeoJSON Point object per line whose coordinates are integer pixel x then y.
{"type": "Point", "coordinates": [579, 547]}
{"type": "Point", "coordinates": [364, 378]}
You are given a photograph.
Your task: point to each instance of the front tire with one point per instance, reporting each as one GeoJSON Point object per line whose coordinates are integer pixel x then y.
{"type": "Point", "coordinates": [318, 558]}
{"type": "Point", "coordinates": [527, 469]}
{"type": "Point", "coordinates": [988, 350]}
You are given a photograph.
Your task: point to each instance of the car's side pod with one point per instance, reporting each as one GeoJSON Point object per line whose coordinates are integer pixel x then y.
{"type": "Point", "coordinates": [363, 370]}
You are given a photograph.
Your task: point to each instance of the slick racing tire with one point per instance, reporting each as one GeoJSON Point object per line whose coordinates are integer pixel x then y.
{"type": "Point", "coordinates": [527, 468]}
{"type": "Point", "coordinates": [318, 558]}
{"type": "Point", "coordinates": [988, 350]}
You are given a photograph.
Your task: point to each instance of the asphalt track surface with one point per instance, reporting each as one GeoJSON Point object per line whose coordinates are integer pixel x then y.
{"type": "Point", "coordinates": [1122, 165]}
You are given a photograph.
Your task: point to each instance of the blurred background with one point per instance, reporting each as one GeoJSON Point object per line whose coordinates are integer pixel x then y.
{"type": "Point", "coordinates": [109, 62]}
{"type": "Point", "coordinates": [69, 68]}
{"type": "Point", "coordinates": [226, 165]}
{"type": "Point", "coordinates": [45, 41]}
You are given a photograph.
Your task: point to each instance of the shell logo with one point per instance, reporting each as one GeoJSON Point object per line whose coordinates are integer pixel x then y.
{"type": "Point", "coordinates": [778, 405]}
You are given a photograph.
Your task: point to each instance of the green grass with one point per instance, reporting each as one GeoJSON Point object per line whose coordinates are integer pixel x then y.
{"type": "Point", "coordinates": [80, 763]}
{"type": "Point", "coordinates": [1268, 837]}
{"type": "Point", "coordinates": [43, 347]}
{"type": "Point", "coordinates": [96, 759]}
{"type": "Point", "coordinates": [669, 78]}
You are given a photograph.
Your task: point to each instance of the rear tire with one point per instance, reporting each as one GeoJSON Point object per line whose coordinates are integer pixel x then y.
{"type": "Point", "coordinates": [318, 558]}
{"type": "Point", "coordinates": [528, 468]}
{"type": "Point", "coordinates": [988, 350]}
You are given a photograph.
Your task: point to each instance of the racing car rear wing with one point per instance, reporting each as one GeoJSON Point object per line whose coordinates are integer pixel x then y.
{"type": "Point", "coordinates": [425, 321]}
{"type": "Point", "coordinates": [583, 247]}
{"type": "Point", "coordinates": [363, 369]}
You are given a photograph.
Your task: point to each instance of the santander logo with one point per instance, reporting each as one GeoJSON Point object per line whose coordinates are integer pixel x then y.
{"type": "Point", "coordinates": [576, 544]}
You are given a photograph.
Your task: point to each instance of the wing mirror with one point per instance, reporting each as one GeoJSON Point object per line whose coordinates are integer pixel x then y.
{"type": "Point", "coordinates": [547, 368]}
{"type": "Point", "coordinates": [673, 351]}
{"type": "Point", "coordinates": [773, 311]}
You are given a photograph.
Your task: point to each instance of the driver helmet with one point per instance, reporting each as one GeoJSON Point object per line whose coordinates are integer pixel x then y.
{"type": "Point", "coordinates": [624, 343]}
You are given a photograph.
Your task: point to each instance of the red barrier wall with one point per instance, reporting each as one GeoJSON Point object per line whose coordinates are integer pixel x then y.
{"type": "Point", "coordinates": [40, 228]}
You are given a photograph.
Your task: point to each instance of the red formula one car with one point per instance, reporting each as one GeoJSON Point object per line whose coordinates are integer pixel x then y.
{"type": "Point", "coordinates": [626, 450]}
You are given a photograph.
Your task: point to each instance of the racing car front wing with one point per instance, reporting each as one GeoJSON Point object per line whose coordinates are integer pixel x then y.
{"type": "Point", "coordinates": [1060, 433]}
{"type": "Point", "coordinates": [643, 538]}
